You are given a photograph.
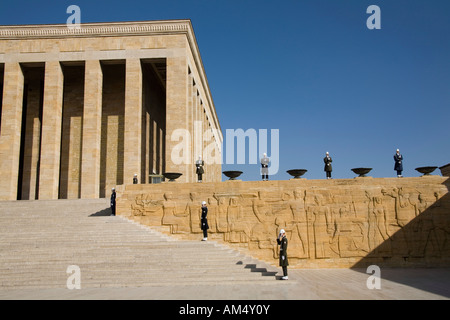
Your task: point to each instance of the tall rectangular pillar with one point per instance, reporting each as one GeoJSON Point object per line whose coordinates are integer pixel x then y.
{"type": "Point", "coordinates": [91, 134]}
{"type": "Point", "coordinates": [11, 127]}
{"type": "Point", "coordinates": [51, 131]}
{"type": "Point", "coordinates": [133, 121]}
{"type": "Point", "coordinates": [192, 96]}
{"type": "Point", "coordinates": [178, 136]}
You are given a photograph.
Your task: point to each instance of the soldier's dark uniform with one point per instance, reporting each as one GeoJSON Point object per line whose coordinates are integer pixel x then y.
{"type": "Point", "coordinates": [204, 221]}
{"type": "Point", "coordinates": [199, 169]}
{"type": "Point", "coordinates": [328, 168]}
{"type": "Point", "coordinates": [398, 158]}
{"type": "Point", "coordinates": [265, 167]}
{"type": "Point", "coordinates": [113, 202]}
{"type": "Point", "coordinates": [283, 243]}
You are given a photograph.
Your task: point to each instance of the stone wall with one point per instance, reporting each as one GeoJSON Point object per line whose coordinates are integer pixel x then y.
{"type": "Point", "coordinates": [329, 223]}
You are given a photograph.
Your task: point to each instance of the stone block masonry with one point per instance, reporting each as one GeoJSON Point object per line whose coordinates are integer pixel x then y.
{"type": "Point", "coordinates": [336, 223]}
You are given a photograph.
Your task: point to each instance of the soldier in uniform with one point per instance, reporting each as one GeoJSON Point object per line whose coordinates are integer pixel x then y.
{"type": "Point", "coordinates": [328, 168]}
{"type": "Point", "coordinates": [113, 202]}
{"type": "Point", "coordinates": [204, 221]}
{"type": "Point", "coordinates": [265, 167]}
{"type": "Point", "coordinates": [283, 243]}
{"type": "Point", "coordinates": [199, 168]}
{"type": "Point", "coordinates": [398, 158]}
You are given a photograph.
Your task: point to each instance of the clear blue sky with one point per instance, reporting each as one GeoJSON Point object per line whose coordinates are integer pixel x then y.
{"type": "Point", "coordinates": [312, 70]}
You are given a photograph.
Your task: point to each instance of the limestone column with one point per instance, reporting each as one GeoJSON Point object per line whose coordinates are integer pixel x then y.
{"type": "Point", "coordinates": [51, 131]}
{"type": "Point", "coordinates": [92, 124]}
{"type": "Point", "coordinates": [191, 121]}
{"type": "Point", "coordinates": [133, 121]}
{"type": "Point", "coordinates": [178, 151]}
{"type": "Point", "coordinates": [11, 130]}
{"type": "Point", "coordinates": [147, 147]}
{"type": "Point", "coordinates": [197, 130]}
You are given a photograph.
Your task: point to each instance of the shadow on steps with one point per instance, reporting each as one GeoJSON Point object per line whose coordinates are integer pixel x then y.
{"type": "Point", "coordinates": [254, 268]}
{"type": "Point", "coordinates": [102, 213]}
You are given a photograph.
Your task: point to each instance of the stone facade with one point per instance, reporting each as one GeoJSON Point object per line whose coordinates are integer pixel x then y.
{"type": "Point", "coordinates": [83, 110]}
{"type": "Point", "coordinates": [329, 223]}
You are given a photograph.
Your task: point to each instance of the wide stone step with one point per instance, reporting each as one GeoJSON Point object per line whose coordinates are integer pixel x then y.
{"type": "Point", "coordinates": [40, 239]}
{"type": "Point", "coordinates": [120, 265]}
{"type": "Point", "coordinates": [69, 258]}
{"type": "Point", "coordinates": [162, 280]}
{"type": "Point", "coordinates": [134, 277]}
{"type": "Point", "coordinates": [140, 271]}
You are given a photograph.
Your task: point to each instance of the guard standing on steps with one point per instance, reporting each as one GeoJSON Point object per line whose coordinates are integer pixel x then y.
{"type": "Point", "coordinates": [204, 221]}
{"type": "Point", "coordinates": [283, 243]}
{"type": "Point", "coordinates": [113, 202]}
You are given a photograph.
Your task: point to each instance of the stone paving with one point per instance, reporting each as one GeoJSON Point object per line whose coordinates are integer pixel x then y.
{"type": "Point", "coordinates": [31, 252]}
{"type": "Point", "coordinates": [316, 284]}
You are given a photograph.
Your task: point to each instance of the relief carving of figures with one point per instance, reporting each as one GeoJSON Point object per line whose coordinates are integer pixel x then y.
{"type": "Point", "coordinates": [378, 231]}
{"type": "Point", "coordinates": [396, 220]}
{"type": "Point", "coordinates": [283, 214]}
{"type": "Point", "coordinates": [440, 211]}
{"type": "Point", "coordinates": [238, 228]}
{"type": "Point", "coordinates": [427, 243]}
{"type": "Point", "coordinates": [194, 212]}
{"type": "Point", "coordinates": [179, 223]}
{"type": "Point", "coordinates": [221, 214]}
{"type": "Point", "coordinates": [349, 237]}
{"type": "Point", "coordinates": [263, 231]}
{"type": "Point", "coordinates": [299, 234]}
{"type": "Point", "coordinates": [379, 212]}
{"type": "Point", "coordinates": [212, 214]}
{"type": "Point", "coordinates": [320, 217]}
{"type": "Point", "coordinates": [405, 211]}
{"type": "Point", "coordinates": [432, 226]}
{"type": "Point", "coordinates": [138, 208]}
{"type": "Point", "coordinates": [145, 206]}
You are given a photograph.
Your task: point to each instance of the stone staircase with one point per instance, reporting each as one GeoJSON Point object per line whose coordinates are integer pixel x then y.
{"type": "Point", "coordinates": [39, 240]}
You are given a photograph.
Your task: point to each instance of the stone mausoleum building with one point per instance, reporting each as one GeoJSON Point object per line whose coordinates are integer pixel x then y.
{"type": "Point", "coordinates": [84, 109]}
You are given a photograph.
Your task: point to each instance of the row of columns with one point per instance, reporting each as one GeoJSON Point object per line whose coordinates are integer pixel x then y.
{"type": "Point", "coordinates": [50, 142]}
{"type": "Point", "coordinates": [202, 135]}
{"type": "Point", "coordinates": [184, 110]}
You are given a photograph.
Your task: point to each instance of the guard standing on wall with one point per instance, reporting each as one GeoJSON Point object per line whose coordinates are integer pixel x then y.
{"type": "Point", "coordinates": [135, 179]}
{"type": "Point", "coordinates": [199, 168]}
{"type": "Point", "coordinates": [398, 158]}
{"type": "Point", "coordinates": [265, 167]}
{"type": "Point", "coordinates": [283, 243]}
{"type": "Point", "coordinates": [113, 202]}
{"type": "Point", "coordinates": [328, 168]}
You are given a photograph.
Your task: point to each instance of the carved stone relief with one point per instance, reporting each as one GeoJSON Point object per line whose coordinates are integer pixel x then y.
{"type": "Point", "coordinates": [321, 223]}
